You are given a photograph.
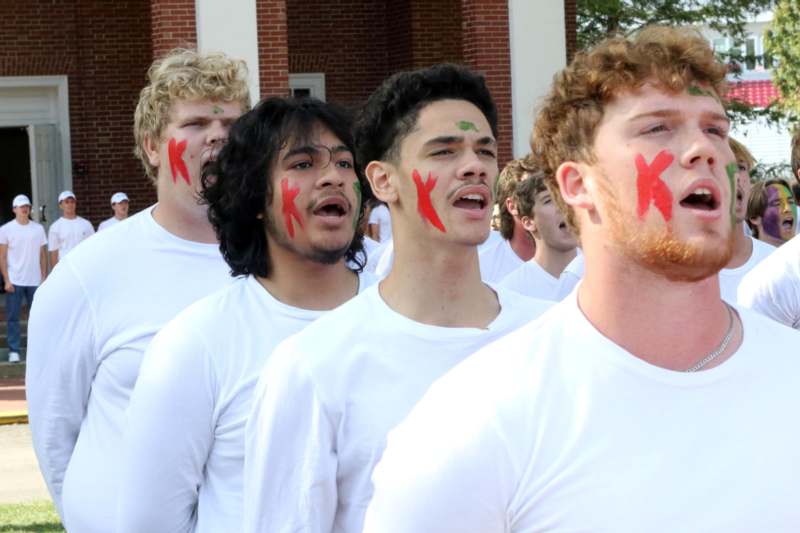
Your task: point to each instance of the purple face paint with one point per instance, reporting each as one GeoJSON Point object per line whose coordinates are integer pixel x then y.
{"type": "Point", "coordinates": [780, 207]}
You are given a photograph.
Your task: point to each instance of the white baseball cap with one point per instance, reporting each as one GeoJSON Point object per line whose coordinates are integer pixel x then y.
{"type": "Point", "coordinates": [118, 197]}
{"type": "Point", "coordinates": [64, 195]}
{"type": "Point", "coordinates": [20, 200]}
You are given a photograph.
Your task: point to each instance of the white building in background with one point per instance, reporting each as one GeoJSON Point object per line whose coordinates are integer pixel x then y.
{"type": "Point", "coordinates": [769, 144]}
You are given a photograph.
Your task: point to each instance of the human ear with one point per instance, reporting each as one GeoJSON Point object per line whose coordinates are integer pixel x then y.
{"type": "Point", "coordinates": [151, 150]}
{"type": "Point", "coordinates": [529, 223]}
{"type": "Point", "coordinates": [512, 208]}
{"type": "Point", "coordinates": [574, 184]}
{"type": "Point", "coordinates": [378, 173]}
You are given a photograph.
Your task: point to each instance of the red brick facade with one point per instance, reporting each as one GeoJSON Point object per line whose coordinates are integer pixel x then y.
{"type": "Point", "coordinates": [105, 48]}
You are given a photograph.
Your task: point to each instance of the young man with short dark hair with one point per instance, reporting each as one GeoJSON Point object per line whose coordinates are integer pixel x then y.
{"type": "Point", "coordinates": [90, 324]}
{"type": "Point", "coordinates": [772, 212]}
{"type": "Point", "coordinates": [556, 245]}
{"type": "Point", "coordinates": [643, 402]}
{"type": "Point", "coordinates": [330, 394]}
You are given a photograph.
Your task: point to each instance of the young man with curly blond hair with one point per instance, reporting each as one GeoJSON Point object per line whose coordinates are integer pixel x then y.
{"type": "Point", "coordinates": [90, 325]}
{"type": "Point", "coordinates": [643, 402]}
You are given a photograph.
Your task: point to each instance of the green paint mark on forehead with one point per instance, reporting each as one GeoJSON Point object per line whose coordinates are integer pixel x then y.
{"type": "Point", "coordinates": [731, 169]}
{"type": "Point", "coordinates": [356, 214]}
{"type": "Point", "coordinates": [466, 125]}
{"type": "Point", "coordinates": [216, 110]}
{"type": "Point", "coordinates": [694, 90]}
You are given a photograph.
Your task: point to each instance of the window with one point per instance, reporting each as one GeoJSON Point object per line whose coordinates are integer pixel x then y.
{"type": "Point", "coordinates": [307, 84]}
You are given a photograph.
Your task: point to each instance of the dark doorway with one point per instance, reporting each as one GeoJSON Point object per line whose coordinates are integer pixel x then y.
{"type": "Point", "coordinates": [15, 168]}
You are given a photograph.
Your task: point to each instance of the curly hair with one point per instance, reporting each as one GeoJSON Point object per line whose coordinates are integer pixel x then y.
{"type": "Point", "coordinates": [564, 130]}
{"type": "Point", "coordinates": [391, 111]}
{"type": "Point", "coordinates": [507, 182]}
{"type": "Point", "coordinates": [758, 201]}
{"type": "Point", "coordinates": [238, 186]}
{"type": "Point", "coordinates": [742, 154]}
{"type": "Point", "coordinates": [184, 75]}
{"type": "Point", "coordinates": [796, 155]}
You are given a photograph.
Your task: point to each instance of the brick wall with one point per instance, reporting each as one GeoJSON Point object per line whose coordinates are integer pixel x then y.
{"type": "Point", "coordinates": [347, 40]}
{"type": "Point", "coordinates": [273, 48]}
{"type": "Point", "coordinates": [486, 50]}
{"type": "Point", "coordinates": [571, 23]}
{"type": "Point", "coordinates": [104, 48]}
{"type": "Point", "coordinates": [173, 25]}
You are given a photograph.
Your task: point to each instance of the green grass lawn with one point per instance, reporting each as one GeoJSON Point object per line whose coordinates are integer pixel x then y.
{"type": "Point", "coordinates": [40, 517]}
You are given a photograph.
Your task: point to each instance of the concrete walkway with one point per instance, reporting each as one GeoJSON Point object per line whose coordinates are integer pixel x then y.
{"type": "Point", "coordinates": [20, 479]}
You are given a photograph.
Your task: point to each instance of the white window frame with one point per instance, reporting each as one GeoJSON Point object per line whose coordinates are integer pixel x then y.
{"type": "Point", "coordinates": [313, 81]}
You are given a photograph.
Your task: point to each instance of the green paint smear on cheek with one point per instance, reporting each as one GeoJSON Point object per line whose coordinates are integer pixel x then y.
{"type": "Point", "coordinates": [357, 189]}
{"type": "Point", "coordinates": [216, 109]}
{"type": "Point", "coordinates": [731, 169]}
{"type": "Point", "coordinates": [466, 125]}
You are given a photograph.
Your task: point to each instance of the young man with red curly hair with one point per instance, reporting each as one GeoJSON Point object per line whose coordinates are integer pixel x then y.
{"type": "Point", "coordinates": [643, 402]}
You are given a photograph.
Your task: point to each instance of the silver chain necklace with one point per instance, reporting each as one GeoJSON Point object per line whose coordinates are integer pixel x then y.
{"type": "Point", "coordinates": [721, 348]}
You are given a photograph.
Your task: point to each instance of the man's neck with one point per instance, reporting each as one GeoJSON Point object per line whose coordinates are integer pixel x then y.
{"type": "Point", "coordinates": [22, 220]}
{"type": "Point", "coordinates": [742, 247]}
{"type": "Point", "coordinates": [522, 245]}
{"type": "Point", "coordinates": [306, 284]}
{"type": "Point", "coordinates": [551, 260]}
{"type": "Point", "coordinates": [183, 218]}
{"type": "Point", "coordinates": [668, 324]}
{"type": "Point", "coordinates": [70, 217]}
{"type": "Point", "coordinates": [120, 218]}
{"type": "Point", "coordinates": [439, 285]}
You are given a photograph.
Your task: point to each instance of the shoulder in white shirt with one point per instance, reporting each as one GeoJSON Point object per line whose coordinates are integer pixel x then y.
{"type": "Point", "coordinates": [556, 428]}
{"type": "Point", "coordinates": [187, 415]}
{"type": "Point", "coordinates": [90, 323]}
{"type": "Point", "coordinates": [729, 278]}
{"type": "Point", "coordinates": [329, 396]}
{"type": "Point", "coordinates": [773, 286]}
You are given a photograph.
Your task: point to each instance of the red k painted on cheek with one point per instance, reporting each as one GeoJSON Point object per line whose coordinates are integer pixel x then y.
{"type": "Point", "coordinates": [176, 162]}
{"type": "Point", "coordinates": [650, 186]}
{"type": "Point", "coordinates": [424, 204]}
{"type": "Point", "coordinates": [289, 209]}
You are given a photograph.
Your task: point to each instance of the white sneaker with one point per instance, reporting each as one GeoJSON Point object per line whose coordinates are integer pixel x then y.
{"type": "Point", "coordinates": [13, 357]}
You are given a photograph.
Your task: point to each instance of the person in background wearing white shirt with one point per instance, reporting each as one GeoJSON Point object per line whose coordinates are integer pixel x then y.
{"type": "Point", "coordinates": [643, 402]}
{"type": "Point", "coordinates": [556, 245]}
{"type": "Point", "coordinates": [23, 264]}
{"type": "Point", "coordinates": [323, 408]}
{"type": "Point", "coordinates": [183, 466]}
{"type": "Point", "coordinates": [69, 230]}
{"type": "Point", "coordinates": [380, 223]}
{"type": "Point", "coordinates": [90, 324]}
{"type": "Point", "coordinates": [120, 205]}
{"type": "Point", "coordinates": [516, 246]}
{"type": "Point", "coordinates": [747, 251]}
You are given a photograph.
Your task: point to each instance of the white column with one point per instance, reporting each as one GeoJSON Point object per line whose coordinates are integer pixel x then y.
{"type": "Point", "coordinates": [230, 27]}
{"type": "Point", "coordinates": [538, 45]}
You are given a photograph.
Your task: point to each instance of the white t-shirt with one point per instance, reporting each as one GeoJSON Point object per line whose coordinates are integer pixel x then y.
{"type": "Point", "coordinates": [380, 215]}
{"type": "Point", "coordinates": [88, 330]}
{"type": "Point", "coordinates": [329, 396]}
{"type": "Point", "coordinates": [24, 243]}
{"type": "Point", "coordinates": [107, 223]}
{"type": "Point", "coordinates": [185, 434]}
{"type": "Point", "coordinates": [729, 278]}
{"type": "Point", "coordinates": [498, 261]}
{"type": "Point", "coordinates": [66, 234]}
{"type": "Point", "coordinates": [556, 428]}
{"type": "Point", "coordinates": [773, 286]}
{"type": "Point", "coordinates": [532, 280]}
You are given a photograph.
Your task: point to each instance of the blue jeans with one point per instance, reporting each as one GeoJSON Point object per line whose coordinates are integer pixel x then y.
{"type": "Point", "coordinates": [13, 307]}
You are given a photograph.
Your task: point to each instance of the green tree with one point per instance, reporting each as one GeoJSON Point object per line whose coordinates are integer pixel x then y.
{"type": "Point", "coordinates": [782, 43]}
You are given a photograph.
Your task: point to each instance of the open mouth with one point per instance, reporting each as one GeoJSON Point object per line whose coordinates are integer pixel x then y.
{"type": "Point", "coordinates": [471, 201]}
{"type": "Point", "coordinates": [563, 225]}
{"type": "Point", "coordinates": [701, 198]}
{"type": "Point", "coordinates": [334, 206]}
{"type": "Point", "coordinates": [788, 223]}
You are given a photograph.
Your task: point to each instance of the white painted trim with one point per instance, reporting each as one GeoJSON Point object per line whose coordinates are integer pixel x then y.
{"type": "Point", "coordinates": [230, 27]}
{"type": "Point", "coordinates": [314, 81]}
{"type": "Point", "coordinates": [61, 84]}
{"type": "Point", "coordinates": [538, 49]}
